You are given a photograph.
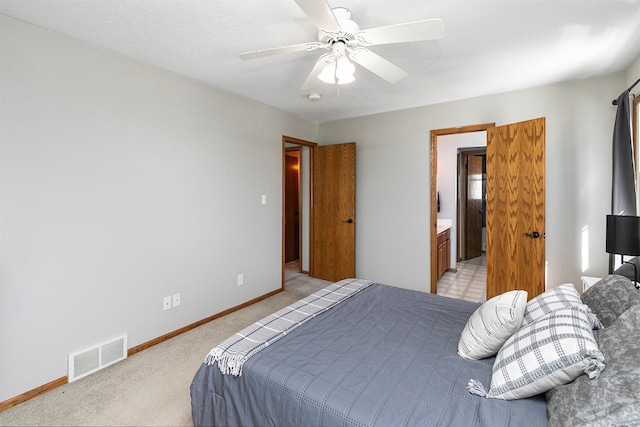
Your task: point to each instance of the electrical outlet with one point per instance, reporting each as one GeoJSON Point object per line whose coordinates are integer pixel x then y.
{"type": "Point", "coordinates": [166, 305]}
{"type": "Point", "coordinates": [176, 300]}
{"type": "Point", "coordinates": [240, 279]}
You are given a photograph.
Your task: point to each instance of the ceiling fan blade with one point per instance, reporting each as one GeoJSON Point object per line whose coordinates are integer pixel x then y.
{"type": "Point", "coordinates": [431, 29]}
{"type": "Point", "coordinates": [312, 79]}
{"type": "Point", "coordinates": [280, 50]}
{"type": "Point", "coordinates": [320, 14]}
{"type": "Point", "coordinates": [377, 65]}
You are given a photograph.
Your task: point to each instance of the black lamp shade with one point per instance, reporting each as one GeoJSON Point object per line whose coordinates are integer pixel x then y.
{"type": "Point", "coordinates": [623, 234]}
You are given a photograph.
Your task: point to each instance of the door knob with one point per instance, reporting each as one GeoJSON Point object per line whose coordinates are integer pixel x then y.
{"type": "Point", "coordinates": [350, 221]}
{"type": "Point", "coordinates": [533, 234]}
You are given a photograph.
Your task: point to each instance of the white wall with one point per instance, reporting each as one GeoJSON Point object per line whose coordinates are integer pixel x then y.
{"type": "Point", "coordinates": [633, 74]}
{"type": "Point", "coordinates": [122, 184]}
{"type": "Point", "coordinates": [447, 178]}
{"type": "Point", "coordinates": [392, 193]}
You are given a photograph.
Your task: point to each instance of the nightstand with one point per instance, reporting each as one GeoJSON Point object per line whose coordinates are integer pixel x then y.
{"type": "Point", "coordinates": [588, 281]}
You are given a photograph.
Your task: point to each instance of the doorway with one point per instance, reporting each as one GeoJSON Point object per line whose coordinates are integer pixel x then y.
{"type": "Point", "coordinates": [460, 183]}
{"type": "Point", "coordinates": [472, 202]}
{"type": "Point", "coordinates": [296, 206]}
{"type": "Point", "coordinates": [292, 205]}
{"type": "Point", "coordinates": [515, 212]}
{"type": "Point", "coordinates": [325, 209]}
{"type": "Point", "coordinates": [445, 194]}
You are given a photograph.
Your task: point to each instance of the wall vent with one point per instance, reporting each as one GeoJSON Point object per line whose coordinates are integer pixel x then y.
{"type": "Point", "coordinates": [90, 360]}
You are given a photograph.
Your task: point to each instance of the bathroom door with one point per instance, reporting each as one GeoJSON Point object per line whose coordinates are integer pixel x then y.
{"type": "Point", "coordinates": [516, 208]}
{"type": "Point", "coordinates": [474, 209]}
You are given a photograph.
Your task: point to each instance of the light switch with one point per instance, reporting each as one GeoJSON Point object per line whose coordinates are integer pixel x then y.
{"type": "Point", "coordinates": [264, 199]}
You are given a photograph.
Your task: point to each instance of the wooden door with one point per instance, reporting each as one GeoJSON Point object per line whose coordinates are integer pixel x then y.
{"type": "Point", "coordinates": [516, 208]}
{"type": "Point", "coordinates": [333, 217]}
{"type": "Point", "coordinates": [473, 217]}
{"type": "Point", "coordinates": [291, 209]}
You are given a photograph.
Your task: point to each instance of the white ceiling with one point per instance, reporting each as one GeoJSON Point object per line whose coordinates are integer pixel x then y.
{"type": "Point", "coordinates": [490, 46]}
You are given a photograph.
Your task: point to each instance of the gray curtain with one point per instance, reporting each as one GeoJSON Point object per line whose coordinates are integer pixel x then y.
{"type": "Point", "coordinates": [623, 190]}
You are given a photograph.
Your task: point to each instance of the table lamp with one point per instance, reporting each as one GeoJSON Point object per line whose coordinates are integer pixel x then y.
{"type": "Point", "coordinates": [623, 238]}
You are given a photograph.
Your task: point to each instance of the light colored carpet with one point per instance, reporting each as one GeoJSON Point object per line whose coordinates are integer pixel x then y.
{"type": "Point", "coordinates": [150, 388]}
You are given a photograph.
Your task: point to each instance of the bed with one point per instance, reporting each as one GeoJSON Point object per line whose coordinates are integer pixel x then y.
{"type": "Point", "coordinates": [382, 356]}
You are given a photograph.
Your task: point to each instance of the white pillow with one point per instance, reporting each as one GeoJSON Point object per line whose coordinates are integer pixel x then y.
{"type": "Point", "coordinates": [563, 296]}
{"type": "Point", "coordinates": [492, 324]}
{"type": "Point", "coordinates": [553, 350]}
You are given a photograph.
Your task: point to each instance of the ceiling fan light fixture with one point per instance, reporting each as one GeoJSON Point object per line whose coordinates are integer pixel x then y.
{"type": "Point", "coordinates": [328, 73]}
{"type": "Point", "coordinates": [346, 79]}
{"type": "Point", "coordinates": [344, 70]}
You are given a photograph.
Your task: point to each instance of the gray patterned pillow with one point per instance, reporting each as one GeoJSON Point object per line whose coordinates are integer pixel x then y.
{"type": "Point", "coordinates": [614, 398]}
{"type": "Point", "coordinates": [550, 351]}
{"type": "Point", "coordinates": [610, 297]}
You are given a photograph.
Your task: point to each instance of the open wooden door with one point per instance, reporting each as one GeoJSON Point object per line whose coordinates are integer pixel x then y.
{"type": "Point", "coordinates": [516, 208]}
{"type": "Point", "coordinates": [474, 209]}
{"type": "Point", "coordinates": [292, 206]}
{"type": "Point", "coordinates": [333, 212]}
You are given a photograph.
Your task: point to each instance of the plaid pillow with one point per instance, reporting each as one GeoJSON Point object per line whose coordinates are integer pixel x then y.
{"type": "Point", "coordinates": [551, 351]}
{"type": "Point", "coordinates": [563, 296]}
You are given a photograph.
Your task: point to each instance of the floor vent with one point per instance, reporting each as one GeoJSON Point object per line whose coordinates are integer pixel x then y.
{"type": "Point", "coordinates": [90, 360]}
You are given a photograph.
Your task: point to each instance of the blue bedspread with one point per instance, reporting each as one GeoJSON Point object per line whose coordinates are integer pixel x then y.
{"type": "Point", "coordinates": [386, 357]}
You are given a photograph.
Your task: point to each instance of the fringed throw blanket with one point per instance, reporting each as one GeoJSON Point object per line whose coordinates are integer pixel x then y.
{"type": "Point", "coordinates": [235, 350]}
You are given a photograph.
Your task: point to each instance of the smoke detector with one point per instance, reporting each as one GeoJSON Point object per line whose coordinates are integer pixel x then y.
{"type": "Point", "coordinates": [314, 97]}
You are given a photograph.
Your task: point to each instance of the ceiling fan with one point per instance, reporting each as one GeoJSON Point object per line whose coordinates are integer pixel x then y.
{"type": "Point", "coordinates": [344, 40]}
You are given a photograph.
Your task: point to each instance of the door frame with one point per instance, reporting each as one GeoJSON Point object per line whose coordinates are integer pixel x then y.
{"type": "Point", "coordinates": [300, 142]}
{"type": "Point", "coordinates": [433, 217]}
